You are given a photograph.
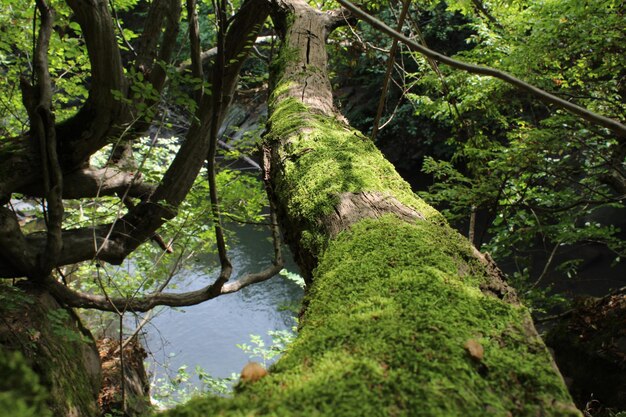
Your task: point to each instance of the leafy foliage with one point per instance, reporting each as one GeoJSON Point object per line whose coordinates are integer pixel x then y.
{"type": "Point", "coordinates": [188, 234]}
{"type": "Point", "coordinates": [171, 391]}
{"type": "Point", "coordinates": [537, 178]}
{"type": "Point", "coordinates": [540, 175]}
{"type": "Point", "coordinates": [168, 392]}
{"type": "Point", "coordinates": [257, 348]}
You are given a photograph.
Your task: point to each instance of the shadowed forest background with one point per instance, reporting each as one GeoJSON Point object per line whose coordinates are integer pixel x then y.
{"type": "Point", "coordinates": [138, 138]}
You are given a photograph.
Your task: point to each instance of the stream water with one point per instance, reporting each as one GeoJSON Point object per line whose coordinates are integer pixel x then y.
{"type": "Point", "coordinates": [207, 335]}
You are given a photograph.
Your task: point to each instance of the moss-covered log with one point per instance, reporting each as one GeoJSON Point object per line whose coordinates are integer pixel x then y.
{"type": "Point", "coordinates": [403, 316]}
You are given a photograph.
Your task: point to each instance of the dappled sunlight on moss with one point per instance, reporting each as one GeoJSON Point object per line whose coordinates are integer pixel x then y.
{"type": "Point", "coordinates": [385, 332]}
{"type": "Point", "coordinates": [323, 158]}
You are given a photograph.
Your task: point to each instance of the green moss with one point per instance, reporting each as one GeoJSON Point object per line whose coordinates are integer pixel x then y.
{"type": "Point", "coordinates": [278, 66]}
{"type": "Point", "coordinates": [392, 304]}
{"type": "Point", "coordinates": [321, 158]}
{"type": "Point", "coordinates": [52, 346]}
{"type": "Point", "coordinates": [384, 334]}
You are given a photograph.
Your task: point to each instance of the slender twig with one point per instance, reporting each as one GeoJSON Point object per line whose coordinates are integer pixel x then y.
{"type": "Point", "coordinates": [122, 370]}
{"type": "Point", "coordinates": [247, 159]}
{"type": "Point", "coordinates": [121, 30]}
{"type": "Point", "coordinates": [546, 267]}
{"type": "Point", "coordinates": [452, 102]}
{"type": "Point", "coordinates": [390, 62]}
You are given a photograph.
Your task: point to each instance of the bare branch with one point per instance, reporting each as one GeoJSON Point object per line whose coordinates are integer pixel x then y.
{"type": "Point", "coordinates": [90, 183]}
{"type": "Point", "coordinates": [390, 62]}
{"type": "Point", "coordinates": [210, 54]}
{"type": "Point", "coordinates": [79, 299]}
{"type": "Point", "coordinates": [245, 158]}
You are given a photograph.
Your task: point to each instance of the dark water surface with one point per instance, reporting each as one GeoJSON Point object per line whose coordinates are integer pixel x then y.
{"type": "Point", "coordinates": [206, 335]}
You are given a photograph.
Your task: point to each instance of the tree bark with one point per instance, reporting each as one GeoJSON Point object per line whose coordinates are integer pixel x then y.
{"type": "Point", "coordinates": [402, 315]}
{"type": "Point", "coordinates": [114, 242]}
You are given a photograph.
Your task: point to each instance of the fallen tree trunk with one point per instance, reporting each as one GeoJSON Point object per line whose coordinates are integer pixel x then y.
{"type": "Point", "coordinates": [403, 316]}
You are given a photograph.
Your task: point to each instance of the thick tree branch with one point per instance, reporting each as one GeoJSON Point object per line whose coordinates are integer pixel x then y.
{"type": "Point", "coordinates": [72, 298]}
{"type": "Point", "coordinates": [338, 18]}
{"type": "Point", "coordinates": [168, 43]}
{"type": "Point", "coordinates": [616, 127]}
{"type": "Point", "coordinates": [179, 177]}
{"type": "Point", "coordinates": [156, 238]}
{"type": "Point", "coordinates": [53, 178]}
{"type": "Point", "coordinates": [38, 102]}
{"type": "Point", "coordinates": [110, 243]}
{"type": "Point", "coordinates": [16, 257]}
{"type": "Point", "coordinates": [91, 183]}
{"type": "Point", "coordinates": [142, 222]}
{"type": "Point", "coordinates": [102, 116]}
{"type": "Point", "coordinates": [218, 97]}
{"type": "Point", "coordinates": [79, 299]}
{"type": "Point", "coordinates": [149, 40]}
{"type": "Point", "coordinates": [194, 42]}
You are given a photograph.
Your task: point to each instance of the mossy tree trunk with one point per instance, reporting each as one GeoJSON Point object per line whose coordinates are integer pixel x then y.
{"type": "Point", "coordinates": [58, 373]}
{"type": "Point", "coordinates": [403, 316]}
